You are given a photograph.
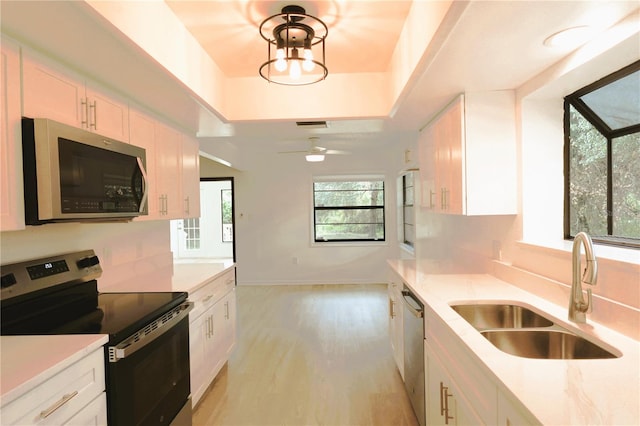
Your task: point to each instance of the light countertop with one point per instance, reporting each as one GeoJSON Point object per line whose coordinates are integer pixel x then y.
{"type": "Point", "coordinates": [191, 276]}
{"type": "Point", "coordinates": [27, 361]}
{"type": "Point", "coordinates": [557, 392]}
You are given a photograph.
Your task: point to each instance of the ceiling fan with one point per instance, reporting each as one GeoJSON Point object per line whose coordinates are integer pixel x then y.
{"type": "Point", "coordinates": [316, 153]}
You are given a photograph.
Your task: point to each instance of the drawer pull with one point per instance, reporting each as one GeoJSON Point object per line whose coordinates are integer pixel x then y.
{"type": "Point", "coordinates": [49, 411]}
{"type": "Point", "coordinates": [206, 299]}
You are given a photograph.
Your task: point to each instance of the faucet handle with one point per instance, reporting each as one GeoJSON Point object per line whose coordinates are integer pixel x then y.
{"type": "Point", "coordinates": [589, 301]}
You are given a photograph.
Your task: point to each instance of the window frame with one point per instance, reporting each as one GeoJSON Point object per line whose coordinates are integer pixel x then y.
{"type": "Point", "coordinates": [348, 178]}
{"type": "Point", "coordinates": [408, 206]}
{"type": "Point", "coordinates": [573, 100]}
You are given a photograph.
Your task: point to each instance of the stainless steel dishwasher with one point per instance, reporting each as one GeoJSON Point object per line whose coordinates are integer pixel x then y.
{"type": "Point", "coordinates": [413, 313]}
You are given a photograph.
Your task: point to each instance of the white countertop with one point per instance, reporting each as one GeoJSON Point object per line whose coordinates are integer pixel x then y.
{"type": "Point", "coordinates": [191, 276]}
{"type": "Point", "coordinates": [557, 392]}
{"type": "Point", "coordinates": [27, 361]}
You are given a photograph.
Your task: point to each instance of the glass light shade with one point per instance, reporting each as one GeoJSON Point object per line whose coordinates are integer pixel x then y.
{"type": "Point", "coordinates": [314, 158]}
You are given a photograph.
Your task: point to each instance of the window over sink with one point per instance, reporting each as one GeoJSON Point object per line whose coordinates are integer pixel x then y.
{"type": "Point", "coordinates": [602, 159]}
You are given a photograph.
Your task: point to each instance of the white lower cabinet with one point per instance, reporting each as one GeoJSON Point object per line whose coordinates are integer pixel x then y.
{"type": "Point", "coordinates": [396, 331]}
{"type": "Point", "coordinates": [74, 396]}
{"type": "Point", "coordinates": [446, 402]}
{"type": "Point", "coordinates": [212, 331]}
{"type": "Point", "coordinates": [458, 391]}
{"type": "Point", "coordinates": [511, 412]}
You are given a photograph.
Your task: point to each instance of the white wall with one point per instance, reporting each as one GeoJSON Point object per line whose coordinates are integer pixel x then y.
{"type": "Point", "coordinates": [274, 219]}
{"type": "Point", "coordinates": [127, 251]}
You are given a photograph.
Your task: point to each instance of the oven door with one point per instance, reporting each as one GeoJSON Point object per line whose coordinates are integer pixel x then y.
{"type": "Point", "coordinates": [150, 385]}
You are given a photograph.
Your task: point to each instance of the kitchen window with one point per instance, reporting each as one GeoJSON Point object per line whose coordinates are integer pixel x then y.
{"type": "Point", "coordinates": [408, 222]}
{"type": "Point", "coordinates": [348, 208]}
{"type": "Point", "coordinates": [602, 159]}
{"type": "Point", "coordinates": [226, 205]}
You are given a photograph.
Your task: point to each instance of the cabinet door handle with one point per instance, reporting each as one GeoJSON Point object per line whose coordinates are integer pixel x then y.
{"type": "Point", "coordinates": [431, 195]}
{"type": "Point", "coordinates": [186, 205]}
{"type": "Point", "coordinates": [444, 403]}
{"type": "Point", "coordinates": [85, 117]}
{"type": "Point", "coordinates": [391, 313]}
{"type": "Point", "coordinates": [94, 106]}
{"type": "Point", "coordinates": [226, 310]}
{"type": "Point", "coordinates": [65, 398]}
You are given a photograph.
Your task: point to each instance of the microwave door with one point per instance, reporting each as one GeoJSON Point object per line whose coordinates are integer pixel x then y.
{"type": "Point", "coordinates": [141, 191]}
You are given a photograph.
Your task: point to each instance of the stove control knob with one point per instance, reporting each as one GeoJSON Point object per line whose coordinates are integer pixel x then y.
{"type": "Point", "coordinates": [8, 280]}
{"type": "Point", "coordinates": [88, 262]}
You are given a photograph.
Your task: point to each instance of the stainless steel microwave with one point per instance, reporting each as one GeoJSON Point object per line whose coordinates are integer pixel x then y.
{"type": "Point", "coordinates": [71, 174]}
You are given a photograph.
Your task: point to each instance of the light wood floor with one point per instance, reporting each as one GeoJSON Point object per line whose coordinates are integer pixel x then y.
{"type": "Point", "coordinates": [309, 355]}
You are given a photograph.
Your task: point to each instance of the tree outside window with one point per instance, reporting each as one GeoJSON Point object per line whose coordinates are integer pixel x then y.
{"type": "Point", "coordinates": [602, 132]}
{"type": "Point", "coordinates": [349, 209]}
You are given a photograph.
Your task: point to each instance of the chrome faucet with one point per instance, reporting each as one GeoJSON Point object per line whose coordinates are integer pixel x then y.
{"type": "Point", "coordinates": [577, 305]}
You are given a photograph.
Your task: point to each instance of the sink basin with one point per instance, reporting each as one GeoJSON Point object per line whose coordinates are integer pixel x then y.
{"type": "Point", "coordinates": [545, 344]}
{"type": "Point", "coordinates": [491, 316]}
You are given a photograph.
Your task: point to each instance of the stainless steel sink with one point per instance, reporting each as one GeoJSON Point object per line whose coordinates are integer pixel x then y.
{"type": "Point", "coordinates": [490, 316]}
{"type": "Point", "coordinates": [519, 331]}
{"type": "Point", "coordinates": [545, 344]}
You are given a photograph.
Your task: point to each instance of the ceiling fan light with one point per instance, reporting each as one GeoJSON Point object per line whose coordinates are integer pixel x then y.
{"type": "Point", "coordinates": [314, 158]}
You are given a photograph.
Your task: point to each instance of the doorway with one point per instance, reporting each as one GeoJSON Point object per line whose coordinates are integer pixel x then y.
{"type": "Point", "coordinates": [212, 235]}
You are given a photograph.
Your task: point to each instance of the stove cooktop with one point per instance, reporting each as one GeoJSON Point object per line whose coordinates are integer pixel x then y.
{"type": "Point", "coordinates": [58, 295]}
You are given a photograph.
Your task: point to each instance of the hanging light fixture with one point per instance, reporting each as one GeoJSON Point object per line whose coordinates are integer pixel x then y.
{"type": "Point", "coordinates": [295, 48]}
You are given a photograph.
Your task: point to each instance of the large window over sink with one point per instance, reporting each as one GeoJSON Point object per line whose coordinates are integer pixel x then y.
{"type": "Point", "coordinates": [602, 159]}
{"type": "Point", "coordinates": [348, 208]}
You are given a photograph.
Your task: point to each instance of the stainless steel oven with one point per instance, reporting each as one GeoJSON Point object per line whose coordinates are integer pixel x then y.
{"type": "Point", "coordinates": [147, 356]}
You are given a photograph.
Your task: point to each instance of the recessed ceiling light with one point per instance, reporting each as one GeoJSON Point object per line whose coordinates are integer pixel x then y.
{"type": "Point", "coordinates": [570, 37]}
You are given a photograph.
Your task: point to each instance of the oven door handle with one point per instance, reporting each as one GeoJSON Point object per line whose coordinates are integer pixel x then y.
{"type": "Point", "coordinates": [149, 333]}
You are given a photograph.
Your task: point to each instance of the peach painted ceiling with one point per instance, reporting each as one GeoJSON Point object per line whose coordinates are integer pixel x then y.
{"type": "Point", "coordinates": [362, 34]}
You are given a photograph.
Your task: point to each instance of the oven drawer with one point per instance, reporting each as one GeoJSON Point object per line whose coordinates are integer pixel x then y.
{"type": "Point", "coordinates": [62, 397]}
{"type": "Point", "coordinates": [210, 293]}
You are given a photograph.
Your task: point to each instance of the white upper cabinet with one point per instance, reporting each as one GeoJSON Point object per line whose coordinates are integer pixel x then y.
{"type": "Point", "coordinates": [56, 93]}
{"type": "Point", "coordinates": [190, 177]}
{"type": "Point", "coordinates": [168, 171]}
{"type": "Point", "coordinates": [173, 168]}
{"type": "Point", "coordinates": [11, 195]}
{"type": "Point", "coordinates": [467, 156]}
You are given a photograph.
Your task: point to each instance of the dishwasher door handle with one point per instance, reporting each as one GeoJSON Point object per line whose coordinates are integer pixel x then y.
{"type": "Point", "coordinates": [416, 312]}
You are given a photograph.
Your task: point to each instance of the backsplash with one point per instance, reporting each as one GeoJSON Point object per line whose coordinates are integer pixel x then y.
{"type": "Point", "coordinates": [127, 250]}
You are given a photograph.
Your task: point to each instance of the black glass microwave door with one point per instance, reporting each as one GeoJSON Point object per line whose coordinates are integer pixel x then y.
{"type": "Point", "coordinates": [94, 180]}
{"type": "Point", "coordinates": [150, 386]}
